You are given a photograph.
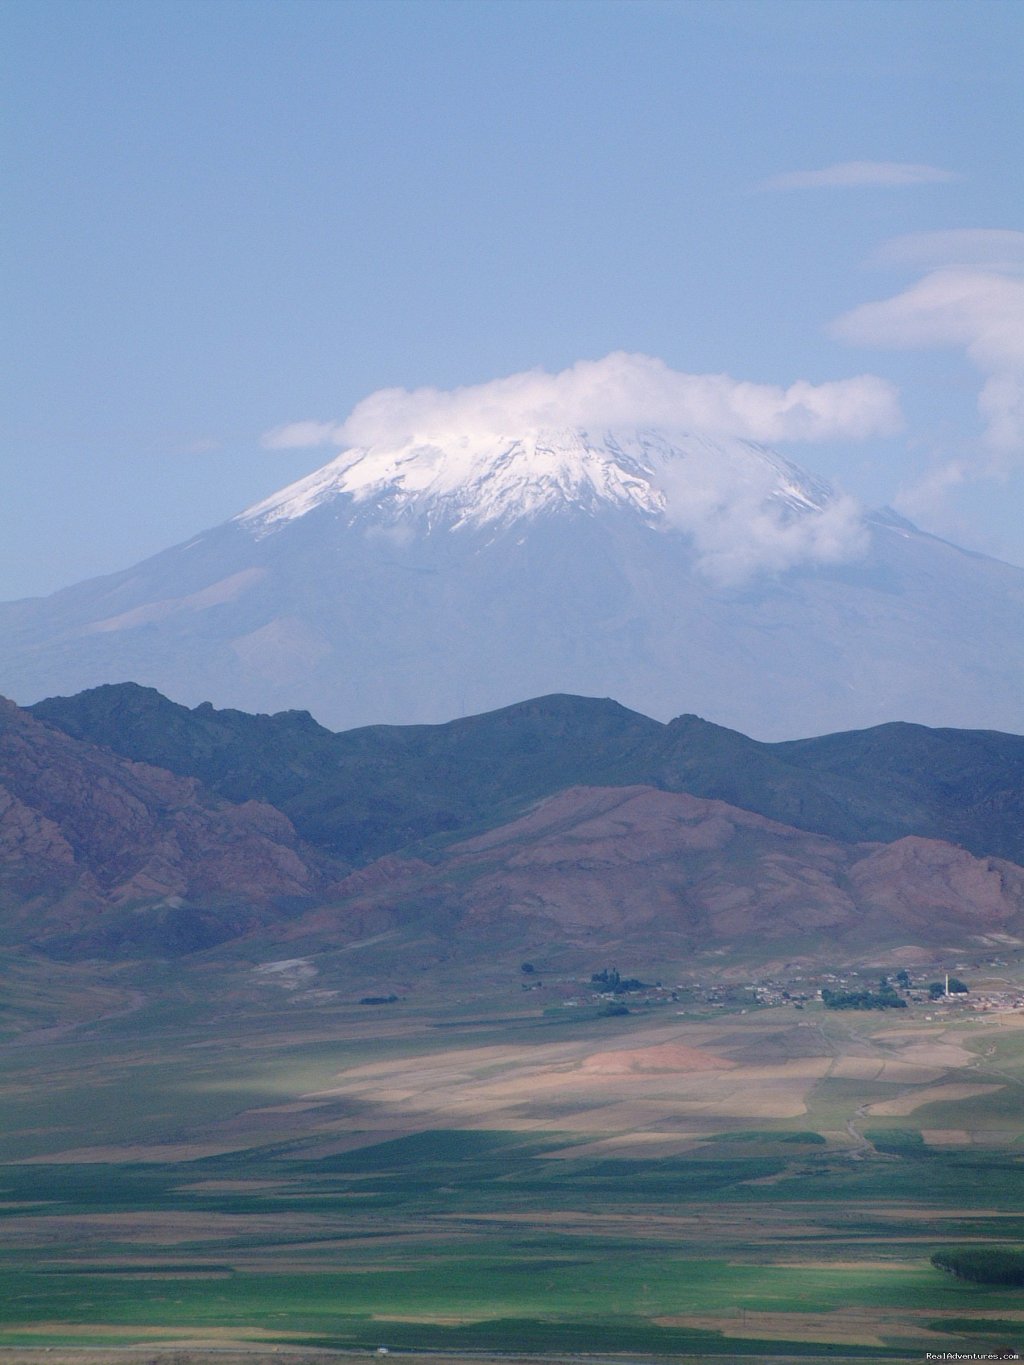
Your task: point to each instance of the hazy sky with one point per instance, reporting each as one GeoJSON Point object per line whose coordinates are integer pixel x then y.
{"type": "Point", "coordinates": [227, 224]}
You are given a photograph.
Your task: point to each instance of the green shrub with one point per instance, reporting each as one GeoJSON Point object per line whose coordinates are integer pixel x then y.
{"type": "Point", "coordinates": [982, 1265]}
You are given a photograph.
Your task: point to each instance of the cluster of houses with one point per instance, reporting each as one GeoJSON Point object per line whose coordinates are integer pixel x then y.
{"type": "Point", "coordinates": [935, 988]}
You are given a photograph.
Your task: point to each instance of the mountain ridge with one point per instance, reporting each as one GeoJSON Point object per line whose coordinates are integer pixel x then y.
{"type": "Point", "coordinates": [367, 792]}
{"type": "Point", "coordinates": [107, 857]}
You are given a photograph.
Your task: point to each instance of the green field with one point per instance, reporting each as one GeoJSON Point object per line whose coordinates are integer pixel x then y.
{"type": "Point", "coordinates": [216, 1161]}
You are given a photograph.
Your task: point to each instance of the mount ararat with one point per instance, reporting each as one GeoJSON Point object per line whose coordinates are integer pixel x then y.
{"type": "Point", "coordinates": [446, 576]}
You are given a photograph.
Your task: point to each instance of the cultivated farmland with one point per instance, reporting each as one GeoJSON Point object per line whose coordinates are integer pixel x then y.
{"type": "Point", "coordinates": [243, 1158]}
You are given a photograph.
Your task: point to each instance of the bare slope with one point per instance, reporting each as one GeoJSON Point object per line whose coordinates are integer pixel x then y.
{"type": "Point", "coordinates": [629, 865]}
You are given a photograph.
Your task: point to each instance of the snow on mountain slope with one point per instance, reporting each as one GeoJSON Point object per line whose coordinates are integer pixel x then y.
{"type": "Point", "coordinates": [499, 480]}
{"type": "Point", "coordinates": [441, 578]}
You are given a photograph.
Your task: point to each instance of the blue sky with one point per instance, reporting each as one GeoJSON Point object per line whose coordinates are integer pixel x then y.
{"type": "Point", "coordinates": [225, 218]}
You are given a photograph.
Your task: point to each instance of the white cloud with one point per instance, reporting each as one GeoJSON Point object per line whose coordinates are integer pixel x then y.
{"type": "Point", "coordinates": [860, 175]}
{"type": "Point", "coordinates": [981, 311]}
{"type": "Point", "coordinates": [926, 499]}
{"type": "Point", "coordinates": [300, 435]}
{"type": "Point", "coordinates": [731, 511]}
{"type": "Point", "coordinates": [983, 248]}
{"type": "Point", "coordinates": [619, 392]}
{"type": "Point", "coordinates": [726, 500]}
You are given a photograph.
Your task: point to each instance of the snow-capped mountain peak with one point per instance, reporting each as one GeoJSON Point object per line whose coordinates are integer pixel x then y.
{"type": "Point", "coordinates": [486, 479]}
{"type": "Point", "coordinates": [453, 574]}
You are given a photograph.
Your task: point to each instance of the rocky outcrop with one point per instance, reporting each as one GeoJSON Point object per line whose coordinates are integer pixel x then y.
{"type": "Point", "coordinates": [933, 886]}
{"type": "Point", "coordinates": [84, 832]}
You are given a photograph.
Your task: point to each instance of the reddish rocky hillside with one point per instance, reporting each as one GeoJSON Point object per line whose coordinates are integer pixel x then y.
{"type": "Point", "coordinates": [100, 854]}
{"type": "Point", "coordinates": [607, 864]}
{"type": "Point", "coordinates": [84, 833]}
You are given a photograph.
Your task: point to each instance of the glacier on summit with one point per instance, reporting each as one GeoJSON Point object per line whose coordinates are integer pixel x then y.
{"type": "Point", "coordinates": [743, 505]}
{"type": "Point", "coordinates": [481, 481]}
{"type": "Point", "coordinates": [499, 479]}
{"type": "Point", "coordinates": [430, 576]}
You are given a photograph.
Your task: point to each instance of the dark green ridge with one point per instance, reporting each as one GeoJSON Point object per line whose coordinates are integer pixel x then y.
{"type": "Point", "coordinates": [363, 793]}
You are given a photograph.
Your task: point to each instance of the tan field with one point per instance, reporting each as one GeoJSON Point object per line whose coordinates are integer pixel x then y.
{"type": "Point", "coordinates": [929, 1094]}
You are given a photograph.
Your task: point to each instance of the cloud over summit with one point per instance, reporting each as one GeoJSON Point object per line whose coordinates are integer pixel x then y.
{"type": "Point", "coordinates": [621, 391]}
{"type": "Point", "coordinates": [727, 501]}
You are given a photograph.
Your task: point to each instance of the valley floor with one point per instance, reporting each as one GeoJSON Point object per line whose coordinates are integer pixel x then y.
{"type": "Point", "coordinates": [238, 1158]}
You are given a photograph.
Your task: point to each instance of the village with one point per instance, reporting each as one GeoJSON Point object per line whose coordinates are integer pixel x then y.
{"type": "Point", "coordinates": [938, 990]}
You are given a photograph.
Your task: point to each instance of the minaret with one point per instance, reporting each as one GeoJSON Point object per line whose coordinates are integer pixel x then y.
{"type": "Point", "coordinates": [947, 983]}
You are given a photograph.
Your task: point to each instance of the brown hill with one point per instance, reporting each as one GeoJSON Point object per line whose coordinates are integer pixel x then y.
{"type": "Point", "coordinates": [609, 864]}
{"type": "Point", "coordinates": [100, 854]}
{"type": "Point", "coordinates": [89, 839]}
